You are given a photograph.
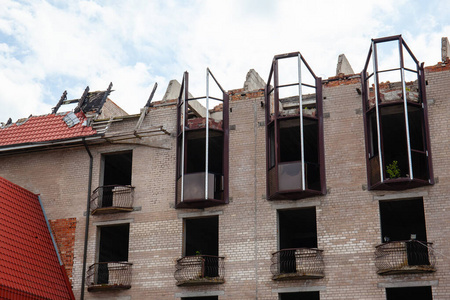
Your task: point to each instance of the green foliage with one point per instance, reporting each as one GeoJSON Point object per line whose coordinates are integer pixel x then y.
{"type": "Point", "coordinates": [393, 170]}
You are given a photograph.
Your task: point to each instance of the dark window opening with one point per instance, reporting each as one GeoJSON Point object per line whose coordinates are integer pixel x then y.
{"type": "Point", "coordinates": [202, 239]}
{"type": "Point", "coordinates": [410, 293]}
{"type": "Point", "coordinates": [289, 167]}
{"type": "Point", "coordinates": [117, 171]}
{"type": "Point", "coordinates": [297, 229]}
{"type": "Point", "coordinates": [394, 138]}
{"type": "Point", "coordinates": [196, 152]}
{"type": "Point", "coordinates": [400, 219]}
{"type": "Point", "coordinates": [290, 141]}
{"type": "Point", "coordinates": [300, 296]}
{"type": "Point", "coordinates": [113, 247]}
{"type": "Point", "coordinates": [405, 221]}
{"type": "Point", "coordinates": [394, 141]}
{"type": "Point", "coordinates": [195, 165]}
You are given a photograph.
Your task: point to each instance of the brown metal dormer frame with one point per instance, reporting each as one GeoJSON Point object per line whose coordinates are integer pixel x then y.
{"type": "Point", "coordinates": [202, 187]}
{"type": "Point", "coordinates": [401, 110]}
{"type": "Point", "coordinates": [305, 176]}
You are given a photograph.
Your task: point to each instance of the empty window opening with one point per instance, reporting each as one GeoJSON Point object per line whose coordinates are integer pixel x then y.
{"type": "Point", "coordinates": [113, 247]}
{"type": "Point", "coordinates": [297, 230]}
{"type": "Point", "coordinates": [290, 153]}
{"type": "Point", "coordinates": [202, 239]}
{"type": "Point", "coordinates": [116, 172]}
{"type": "Point", "coordinates": [195, 165]}
{"type": "Point", "coordinates": [410, 293]}
{"type": "Point", "coordinates": [300, 296]}
{"type": "Point", "coordinates": [402, 218]}
{"type": "Point", "coordinates": [196, 154]}
{"type": "Point", "coordinates": [405, 221]}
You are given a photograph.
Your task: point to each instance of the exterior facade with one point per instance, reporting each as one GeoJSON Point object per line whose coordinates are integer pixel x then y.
{"type": "Point", "coordinates": [272, 191]}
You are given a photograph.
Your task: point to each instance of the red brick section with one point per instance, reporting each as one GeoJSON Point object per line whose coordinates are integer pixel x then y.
{"type": "Point", "coordinates": [441, 66]}
{"type": "Point", "coordinates": [43, 129]}
{"type": "Point", "coordinates": [29, 266]}
{"type": "Point", "coordinates": [240, 94]}
{"type": "Point", "coordinates": [64, 233]}
{"type": "Point", "coordinates": [342, 79]}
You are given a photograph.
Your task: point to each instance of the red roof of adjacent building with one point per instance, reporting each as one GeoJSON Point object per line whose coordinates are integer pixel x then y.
{"type": "Point", "coordinates": [29, 265]}
{"type": "Point", "coordinates": [45, 128]}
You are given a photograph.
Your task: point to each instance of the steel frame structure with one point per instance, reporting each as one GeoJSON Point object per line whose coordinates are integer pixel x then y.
{"type": "Point", "coordinates": [183, 128]}
{"type": "Point", "coordinates": [274, 120]}
{"type": "Point", "coordinates": [404, 182]}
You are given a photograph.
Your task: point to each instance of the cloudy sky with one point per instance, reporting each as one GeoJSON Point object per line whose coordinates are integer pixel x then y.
{"type": "Point", "coordinates": [47, 47]}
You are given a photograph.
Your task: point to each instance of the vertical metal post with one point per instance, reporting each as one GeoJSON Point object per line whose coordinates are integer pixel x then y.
{"type": "Point", "coordinates": [377, 110]}
{"type": "Point", "coordinates": [183, 125]}
{"type": "Point", "coordinates": [207, 135]}
{"type": "Point", "coordinates": [405, 108]}
{"type": "Point", "coordinates": [300, 103]}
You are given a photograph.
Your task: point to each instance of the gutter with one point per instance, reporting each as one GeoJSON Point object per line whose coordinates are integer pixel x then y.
{"type": "Point", "coordinates": [43, 144]}
{"type": "Point", "coordinates": [61, 265]}
{"type": "Point", "coordinates": [88, 213]}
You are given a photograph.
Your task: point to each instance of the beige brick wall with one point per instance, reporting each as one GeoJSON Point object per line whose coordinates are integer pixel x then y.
{"type": "Point", "coordinates": [348, 225]}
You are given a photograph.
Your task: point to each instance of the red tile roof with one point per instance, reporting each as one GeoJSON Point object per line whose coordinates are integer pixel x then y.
{"type": "Point", "coordinates": [29, 266]}
{"type": "Point", "coordinates": [43, 129]}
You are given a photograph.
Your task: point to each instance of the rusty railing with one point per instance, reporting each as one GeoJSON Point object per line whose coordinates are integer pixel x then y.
{"type": "Point", "coordinates": [200, 269]}
{"type": "Point", "coordinates": [400, 257]}
{"type": "Point", "coordinates": [112, 198]}
{"type": "Point", "coordinates": [109, 275]}
{"type": "Point", "coordinates": [297, 263]}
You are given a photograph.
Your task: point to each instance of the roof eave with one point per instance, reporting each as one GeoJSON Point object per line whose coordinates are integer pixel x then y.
{"type": "Point", "coordinates": [25, 146]}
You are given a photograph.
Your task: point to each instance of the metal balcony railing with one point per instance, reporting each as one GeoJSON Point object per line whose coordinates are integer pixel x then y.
{"type": "Point", "coordinates": [200, 269]}
{"type": "Point", "coordinates": [112, 198]}
{"type": "Point", "coordinates": [108, 276]}
{"type": "Point", "coordinates": [400, 257]}
{"type": "Point", "coordinates": [297, 263]}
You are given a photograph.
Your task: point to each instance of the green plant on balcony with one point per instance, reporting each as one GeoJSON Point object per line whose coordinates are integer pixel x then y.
{"type": "Point", "coordinates": [393, 170]}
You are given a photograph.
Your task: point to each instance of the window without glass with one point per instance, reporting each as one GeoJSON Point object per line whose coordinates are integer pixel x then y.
{"type": "Point", "coordinates": [298, 256]}
{"type": "Point", "coordinates": [405, 248]}
{"type": "Point", "coordinates": [295, 161]}
{"type": "Point", "coordinates": [396, 122]}
{"type": "Point", "coordinates": [112, 248]}
{"type": "Point", "coordinates": [410, 293]}
{"type": "Point", "coordinates": [200, 263]}
{"type": "Point", "coordinates": [300, 296]}
{"type": "Point", "coordinates": [116, 193]}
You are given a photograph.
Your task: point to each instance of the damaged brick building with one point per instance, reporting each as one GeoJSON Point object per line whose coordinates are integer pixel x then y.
{"type": "Point", "coordinates": [295, 188]}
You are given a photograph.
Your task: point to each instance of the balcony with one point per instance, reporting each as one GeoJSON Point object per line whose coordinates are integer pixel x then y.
{"type": "Point", "coordinates": [297, 263]}
{"type": "Point", "coordinates": [112, 199]}
{"type": "Point", "coordinates": [194, 192]}
{"type": "Point", "coordinates": [109, 276]}
{"type": "Point", "coordinates": [403, 257]}
{"type": "Point", "coordinates": [199, 270]}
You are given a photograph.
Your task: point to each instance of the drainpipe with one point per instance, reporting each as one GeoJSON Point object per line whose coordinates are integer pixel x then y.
{"type": "Point", "coordinates": [88, 213]}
